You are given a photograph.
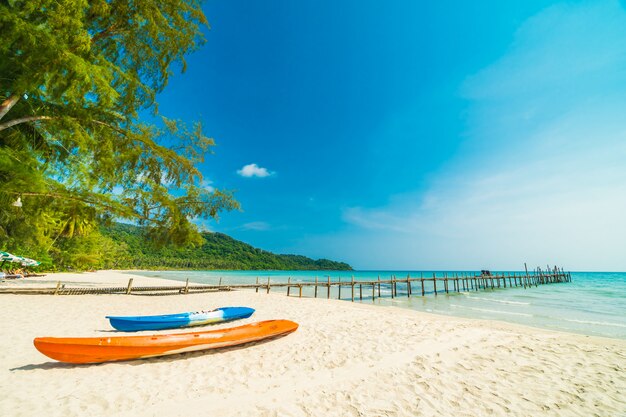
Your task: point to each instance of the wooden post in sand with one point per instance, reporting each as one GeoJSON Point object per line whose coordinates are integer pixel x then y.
{"type": "Point", "coordinates": [435, 283]}
{"type": "Point", "coordinates": [130, 286]}
{"type": "Point", "coordinates": [316, 287]}
{"type": "Point", "coordinates": [56, 291]}
{"type": "Point", "coordinates": [268, 285]}
{"type": "Point", "coordinates": [352, 288]}
{"type": "Point", "coordinates": [373, 291]}
{"type": "Point", "coordinates": [422, 280]}
{"type": "Point", "coordinates": [328, 289]}
{"type": "Point", "coordinates": [288, 286]}
{"type": "Point", "coordinates": [187, 286]}
{"type": "Point", "coordinates": [257, 285]}
{"type": "Point", "coordinates": [379, 286]}
{"type": "Point", "coordinates": [392, 287]}
{"type": "Point", "coordinates": [360, 291]}
{"type": "Point", "coordinates": [300, 290]}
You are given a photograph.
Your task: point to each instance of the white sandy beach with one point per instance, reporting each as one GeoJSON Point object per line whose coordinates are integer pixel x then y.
{"type": "Point", "coordinates": [345, 360]}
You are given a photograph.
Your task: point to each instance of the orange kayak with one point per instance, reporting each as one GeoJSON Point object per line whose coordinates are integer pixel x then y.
{"type": "Point", "coordinates": [106, 349]}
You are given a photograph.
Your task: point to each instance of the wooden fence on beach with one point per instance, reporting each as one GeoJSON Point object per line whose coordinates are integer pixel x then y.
{"type": "Point", "coordinates": [410, 285]}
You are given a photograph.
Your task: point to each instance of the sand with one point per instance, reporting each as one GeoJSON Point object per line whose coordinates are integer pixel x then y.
{"type": "Point", "coordinates": [345, 360]}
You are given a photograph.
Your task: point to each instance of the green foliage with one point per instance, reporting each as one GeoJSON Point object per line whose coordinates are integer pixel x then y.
{"type": "Point", "coordinates": [218, 251]}
{"type": "Point", "coordinates": [74, 75]}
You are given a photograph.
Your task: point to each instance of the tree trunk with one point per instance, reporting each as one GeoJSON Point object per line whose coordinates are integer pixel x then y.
{"type": "Point", "coordinates": [7, 104]}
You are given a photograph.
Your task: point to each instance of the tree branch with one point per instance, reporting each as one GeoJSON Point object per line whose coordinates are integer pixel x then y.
{"type": "Point", "coordinates": [21, 120]}
{"type": "Point", "coordinates": [82, 200]}
{"type": "Point", "coordinates": [104, 33]}
{"type": "Point", "coordinates": [6, 105]}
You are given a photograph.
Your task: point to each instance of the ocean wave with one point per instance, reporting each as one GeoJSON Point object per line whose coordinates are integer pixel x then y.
{"type": "Point", "coordinates": [597, 323]}
{"type": "Point", "coordinates": [486, 310]}
{"type": "Point", "coordinates": [499, 301]}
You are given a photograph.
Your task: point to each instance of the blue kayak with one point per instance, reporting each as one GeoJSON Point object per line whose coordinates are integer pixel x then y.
{"type": "Point", "coordinates": [173, 321]}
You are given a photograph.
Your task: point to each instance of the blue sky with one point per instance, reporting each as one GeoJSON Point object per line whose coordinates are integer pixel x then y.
{"type": "Point", "coordinates": [400, 135]}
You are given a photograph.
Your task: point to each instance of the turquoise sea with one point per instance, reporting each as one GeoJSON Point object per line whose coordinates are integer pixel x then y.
{"type": "Point", "coordinates": [594, 303]}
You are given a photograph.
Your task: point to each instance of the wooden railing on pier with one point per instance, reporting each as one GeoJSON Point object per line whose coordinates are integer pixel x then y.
{"type": "Point", "coordinates": [409, 285]}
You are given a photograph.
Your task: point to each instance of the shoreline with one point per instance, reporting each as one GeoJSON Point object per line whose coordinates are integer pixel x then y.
{"type": "Point", "coordinates": [345, 359]}
{"type": "Point", "coordinates": [120, 277]}
{"type": "Point", "coordinates": [111, 277]}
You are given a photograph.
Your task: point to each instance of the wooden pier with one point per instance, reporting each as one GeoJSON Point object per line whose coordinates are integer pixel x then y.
{"type": "Point", "coordinates": [393, 287]}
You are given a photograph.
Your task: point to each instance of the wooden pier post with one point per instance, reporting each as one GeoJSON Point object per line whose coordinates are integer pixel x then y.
{"type": "Point", "coordinates": [220, 283]}
{"type": "Point", "coordinates": [373, 291]}
{"type": "Point", "coordinates": [316, 286]}
{"type": "Point", "coordinates": [392, 294]}
{"type": "Point", "coordinates": [408, 285]}
{"type": "Point", "coordinates": [339, 288]}
{"type": "Point", "coordinates": [130, 286]}
{"type": "Point", "coordinates": [435, 282]}
{"type": "Point", "coordinates": [379, 286]}
{"type": "Point", "coordinates": [257, 285]}
{"type": "Point", "coordinates": [328, 290]}
{"type": "Point", "coordinates": [288, 286]}
{"type": "Point", "coordinates": [352, 288]}
{"type": "Point", "coordinates": [536, 282]}
{"type": "Point", "coordinates": [56, 291]}
{"type": "Point", "coordinates": [445, 281]}
{"type": "Point", "coordinates": [526, 269]}
{"type": "Point", "coordinates": [187, 286]}
{"type": "Point", "coordinates": [361, 292]}
{"type": "Point", "coordinates": [268, 285]}
{"type": "Point", "coordinates": [300, 290]}
{"type": "Point", "coordinates": [422, 279]}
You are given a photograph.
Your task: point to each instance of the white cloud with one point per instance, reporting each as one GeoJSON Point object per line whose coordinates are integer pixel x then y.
{"type": "Point", "coordinates": [253, 170]}
{"type": "Point", "coordinates": [206, 184]}
{"type": "Point", "coordinates": [256, 226]}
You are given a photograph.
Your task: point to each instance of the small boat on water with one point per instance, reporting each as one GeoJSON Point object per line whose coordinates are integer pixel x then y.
{"type": "Point", "coordinates": [174, 321]}
{"type": "Point", "coordinates": [108, 349]}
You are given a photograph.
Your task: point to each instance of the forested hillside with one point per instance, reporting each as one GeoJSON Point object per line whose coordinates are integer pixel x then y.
{"type": "Point", "coordinates": [219, 251]}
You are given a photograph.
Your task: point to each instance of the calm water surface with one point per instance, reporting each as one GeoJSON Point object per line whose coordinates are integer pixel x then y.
{"type": "Point", "coordinates": [594, 303]}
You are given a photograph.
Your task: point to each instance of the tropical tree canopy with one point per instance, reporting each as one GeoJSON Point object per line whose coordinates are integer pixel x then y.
{"type": "Point", "coordinates": [74, 77]}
